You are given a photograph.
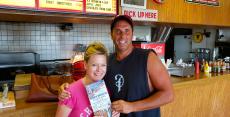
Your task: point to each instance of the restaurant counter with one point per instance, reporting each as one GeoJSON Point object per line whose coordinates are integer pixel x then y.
{"type": "Point", "coordinates": [198, 96]}
{"type": "Point", "coordinates": [203, 95]}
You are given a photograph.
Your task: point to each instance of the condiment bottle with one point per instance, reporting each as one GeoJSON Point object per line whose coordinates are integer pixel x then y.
{"type": "Point", "coordinates": [206, 67]}
{"type": "Point", "coordinates": [197, 67]}
{"type": "Point", "coordinates": [210, 66]}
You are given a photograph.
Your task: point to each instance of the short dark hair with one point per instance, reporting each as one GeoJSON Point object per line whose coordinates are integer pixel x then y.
{"type": "Point", "coordinates": [117, 18]}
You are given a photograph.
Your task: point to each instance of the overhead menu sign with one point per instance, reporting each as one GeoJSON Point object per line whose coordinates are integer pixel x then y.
{"type": "Point", "coordinates": [206, 2]}
{"type": "Point", "coordinates": [18, 3]}
{"type": "Point", "coordinates": [101, 6]}
{"type": "Point", "coordinates": [61, 5]}
{"type": "Point", "coordinates": [74, 6]}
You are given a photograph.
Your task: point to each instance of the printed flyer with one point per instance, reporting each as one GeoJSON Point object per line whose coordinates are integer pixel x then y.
{"type": "Point", "coordinates": [99, 97]}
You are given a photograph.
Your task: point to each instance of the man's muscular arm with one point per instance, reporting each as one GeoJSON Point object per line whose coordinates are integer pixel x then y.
{"type": "Point", "coordinates": [159, 79]}
{"type": "Point", "coordinates": [62, 93]}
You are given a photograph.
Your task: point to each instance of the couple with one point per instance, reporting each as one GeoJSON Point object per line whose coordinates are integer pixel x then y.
{"type": "Point", "coordinates": [136, 79]}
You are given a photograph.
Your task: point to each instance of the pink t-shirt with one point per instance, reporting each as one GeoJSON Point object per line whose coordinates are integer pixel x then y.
{"type": "Point", "coordinates": [79, 101]}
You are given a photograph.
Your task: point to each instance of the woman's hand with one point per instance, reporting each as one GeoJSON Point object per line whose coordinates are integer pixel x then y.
{"type": "Point", "coordinates": [100, 114]}
{"type": "Point", "coordinates": [115, 114]}
{"type": "Point", "coordinates": [62, 93]}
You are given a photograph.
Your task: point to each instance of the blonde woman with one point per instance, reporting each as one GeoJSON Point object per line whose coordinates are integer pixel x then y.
{"type": "Point", "coordinates": [78, 104]}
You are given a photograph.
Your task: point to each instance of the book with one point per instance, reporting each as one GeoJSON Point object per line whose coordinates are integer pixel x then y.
{"type": "Point", "coordinates": [21, 94]}
{"type": "Point", "coordinates": [22, 82]}
{"type": "Point", "coordinates": [9, 101]}
{"type": "Point", "coordinates": [99, 97]}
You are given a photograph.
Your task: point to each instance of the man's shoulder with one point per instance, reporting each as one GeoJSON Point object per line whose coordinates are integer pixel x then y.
{"type": "Point", "coordinates": [144, 51]}
{"type": "Point", "coordinates": [141, 52]}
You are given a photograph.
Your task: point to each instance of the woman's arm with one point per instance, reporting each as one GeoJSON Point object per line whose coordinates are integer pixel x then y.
{"type": "Point", "coordinates": [63, 111]}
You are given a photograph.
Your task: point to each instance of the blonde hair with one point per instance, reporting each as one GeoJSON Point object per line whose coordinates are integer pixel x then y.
{"type": "Point", "coordinates": [95, 48]}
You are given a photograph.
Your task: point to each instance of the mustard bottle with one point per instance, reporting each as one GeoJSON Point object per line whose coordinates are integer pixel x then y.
{"type": "Point", "coordinates": [206, 67]}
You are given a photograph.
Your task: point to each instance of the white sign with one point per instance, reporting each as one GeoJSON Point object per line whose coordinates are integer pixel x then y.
{"type": "Point", "coordinates": [140, 14]}
{"type": "Point", "coordinates": [134, 3]}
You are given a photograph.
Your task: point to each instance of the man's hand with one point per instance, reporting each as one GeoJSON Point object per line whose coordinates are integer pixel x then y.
{"type": "Point", "coordinates": [62, 93]}
{"type": "Point", "coordinates": [122, 106]}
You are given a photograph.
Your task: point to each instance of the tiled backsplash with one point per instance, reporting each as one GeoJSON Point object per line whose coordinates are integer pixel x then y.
{"type": "Point", "coordinates": [50, 41]}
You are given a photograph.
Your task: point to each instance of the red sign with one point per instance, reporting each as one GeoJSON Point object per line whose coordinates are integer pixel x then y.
{"type": "Point", "coordinates": [159, 48]}
{"type": "Point", "coordinates": [159, 1]}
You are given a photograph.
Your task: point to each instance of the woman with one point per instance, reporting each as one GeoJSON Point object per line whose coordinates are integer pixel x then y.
{"type": "Point", "coordinates": [78, 104]}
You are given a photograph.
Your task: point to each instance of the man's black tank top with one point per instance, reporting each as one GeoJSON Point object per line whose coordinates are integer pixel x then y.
{"type": "Point", "coordinates": [127, 80]}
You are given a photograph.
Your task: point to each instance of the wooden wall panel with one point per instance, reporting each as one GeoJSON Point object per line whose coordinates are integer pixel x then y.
{"type": "Point", "coordinates": [179, 11]}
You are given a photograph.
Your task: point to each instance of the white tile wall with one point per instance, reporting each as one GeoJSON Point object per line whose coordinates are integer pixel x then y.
{"type": "Point", "coordinates": [49, 40]}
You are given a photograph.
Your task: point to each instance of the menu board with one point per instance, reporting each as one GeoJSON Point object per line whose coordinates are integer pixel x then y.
{"type": "Point", "coordinates": [18, 3]}
{"type": "Point", "coordinates": [74, 6]}
{"type": "Point", "coordinates": [101, 6]}
{"type": "Point", "coordinates": [61, 5]}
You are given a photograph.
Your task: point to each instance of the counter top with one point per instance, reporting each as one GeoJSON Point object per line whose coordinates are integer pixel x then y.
{"type": "Point", "coordinates": [202, 75]}
{"type": "Point", "coordinates": [48, 109]}
{"type": "Point", "coordinates": [23, 109]}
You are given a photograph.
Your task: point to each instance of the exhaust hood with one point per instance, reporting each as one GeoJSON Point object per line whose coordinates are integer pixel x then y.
{"type": "Point", "coordinates": [161, 34]}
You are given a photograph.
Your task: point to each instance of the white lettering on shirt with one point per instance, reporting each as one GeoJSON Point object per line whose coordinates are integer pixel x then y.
{"type": "Point", "coordinates": [87, 112]}
{"type": "Point", "coordinates": [119, 82]}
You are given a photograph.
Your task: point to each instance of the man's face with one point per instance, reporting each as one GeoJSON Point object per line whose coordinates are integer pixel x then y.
{"type": "Point", "coordinates": [122, 35]}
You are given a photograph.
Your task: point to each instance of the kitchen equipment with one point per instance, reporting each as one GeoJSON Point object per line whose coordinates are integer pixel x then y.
{"type": "Point", "coordinates": [181, 71]}
{"type": "Point", "coordinates": [12, 63]}
{"type": "Point", "coordinates": [78, 70]}
{"type": "Point", "coordinates": [202, 54]}
{"type": "Point", "coordinates": [55, 67]}
{"type": "Point", "coordinates": [215, 53]}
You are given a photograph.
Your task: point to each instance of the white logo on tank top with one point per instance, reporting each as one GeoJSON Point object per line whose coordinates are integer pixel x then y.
{"type": "Point", "coordinates": [119, 81]}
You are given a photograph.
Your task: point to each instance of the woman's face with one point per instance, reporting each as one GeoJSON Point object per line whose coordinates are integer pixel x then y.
{"type": "Point", "coordinates": [96, 67]}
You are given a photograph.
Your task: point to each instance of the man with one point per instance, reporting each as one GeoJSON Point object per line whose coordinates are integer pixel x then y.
{"type": "Point", "coordinates": [137, 80]}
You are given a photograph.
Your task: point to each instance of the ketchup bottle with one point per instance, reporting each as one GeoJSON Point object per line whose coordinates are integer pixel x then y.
{"type": "Point", "coordinates": [197, 67]}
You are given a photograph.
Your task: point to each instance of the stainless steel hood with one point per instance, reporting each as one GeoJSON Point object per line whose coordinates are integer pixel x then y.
{"type": "Point", "coordinates": [18, 59]}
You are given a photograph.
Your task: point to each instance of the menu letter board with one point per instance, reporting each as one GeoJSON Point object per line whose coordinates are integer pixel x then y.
{"type": "Point", "coordinates": [101, 6]}
{"type": "Point", "coordinates": [61, 5]}
{"type": "Point", "coordinates": [207, 2]}
{"type": "Point", "coordinates": [18, 3]}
